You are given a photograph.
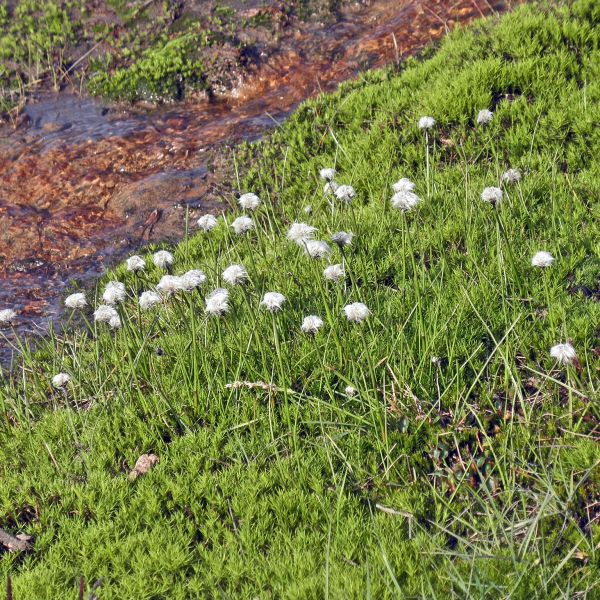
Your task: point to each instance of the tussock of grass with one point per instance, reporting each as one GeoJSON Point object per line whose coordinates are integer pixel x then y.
{"type": "Point", "coordinates": [475, 475]}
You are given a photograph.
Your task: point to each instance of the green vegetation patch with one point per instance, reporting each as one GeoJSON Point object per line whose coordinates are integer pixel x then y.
{"type": "Point", "coordinates": [438, 448]}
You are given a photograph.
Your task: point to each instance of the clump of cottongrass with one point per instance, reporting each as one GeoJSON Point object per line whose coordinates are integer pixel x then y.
{"type": "Point", "coordinates": [235, 275]}
{"type": "Point", "coordinates": [542, 259]}
{"type": "Point", "coordinates": [327, 174]}
{"type": "Point", "coordinates": [249, 201]}
{"type": "Point", "coordinates": [345, 193]}
{"type": "Point", "coordinates": [317, 249]}
{"type": "Point", "coordinates": [405, 201]}
{"type": "Point", "coordinates": [114, 292]}
{"type": "Point", "coordinates": [301, 233]}
{"type": "Point", "coordinates": [192, 279]}
{"type": "Point", "coordinates": [217, 303]}
{"type": "Point", "coordinates": [350, 391]}
{"type": "Point", "coordinates": [564, 354]}
{"type": "Point", "coordinates": [403, 185]}
{"type": "Point", "coordinates": [330, 188]}
{"type": "Point", "coordinates": [207, 223]}
{"type": "Point", "coordinates": [273, 301]}
{"type": "Point", "coordinates": [484, 116]}
{"type": "Point", "coordinates": [493, 195]}
{"type": "Point", "coordinates": [76, 301]}
{"type": "Point", "coordinates": [342, 239]}
{"type": "Point", "coordinates": [135, 263]}
{"type": "Point", "coordinates": [163, 259]}
{"type": "Point", "coordinates": [242, 225]}
{"type": "Point", "coordinates": [426, 122]}
{"type": "Point", "coordinates": [357, 312]}
{"type": "Point", "coordinates": [312, 324]}
{"type": "Point", "coordinates": [511, 176]}
{"type": "Point", "coordinates": [60, 380]}
{"type": "Point", "coordinates": [107, 314]}
{"type": "Point", "coordinates": [170, 284]}
{"type": "Point", "coordinates": [334, 272]}
{"type": "Point", "coordinates": [148, 300]}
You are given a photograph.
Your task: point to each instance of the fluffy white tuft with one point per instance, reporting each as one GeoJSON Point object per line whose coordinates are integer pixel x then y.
{"type": "Point", "coordinates": [235, 275]}
{"type": "Point", "coordinates": [148, 300]}
{"type": "Point", "coordinates": [249, 201]}
{"type": "Point", "coordinates": [542, 259]}
{"type": "Point", "coordinates": [511, 176]}
{"type": "Point", "coordinates": [60, 380]}
{"type": "Point", "coordinates": [163, 259]}
{"type": "Point", "coordinates": [564, 353]}
{"type": "Point", "coordinates": [405, 201]}
{"type": "Point", "coordinates": [170, 284]}
{"type": "Point", "coordinates": [426, 122]}
{"type": "Point", "coordinates": [301, 233]}
{"type": "Point", "coordinates": [312, 324]}
{"type": "Point", "coordinates": [192, 279]}
{"type": "Point", "coordinates": [114, 292]}
{"type": "Point", "coordinates": [356, 312]}
{"type": "Point", "coordinates": [135, 263]}
{"type": "Point", "coordinates": [327, 174]}
{"type": "Point", "coordinates": [342, 238]}
{"type": "Point", "coordinates": [76, 301]}
{"type": "Point", "coordinates": [334, 272]}
{"type": "Point", "coordinates": [107, 314]}
{"type": "Point", "coordinates": [484, 116]}
{"type": "Point", "coordinates": [493, 195]}
{"type": "Point", "coordinates": [217, 303]}
{"type": "Point", "coordinates": [403, 185]}
{"type": "Point", "coordinates": [207, 223]}
{"type": "Point", "coordinates": [273, 301]}
{"type": "Point", "coordinates": [330, 188]}
{"type": "Point", "coordinates": [317, 249]}
{"type": "Point", "coordinates": [7, 316]}
{"type": "Point", "coordinates": [242, 225]}
{"type": "Point", "coordinates": [345, 193]}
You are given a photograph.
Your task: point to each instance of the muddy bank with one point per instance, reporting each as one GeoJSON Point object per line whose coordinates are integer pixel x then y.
{"type": "Point", "coordinates": [83, 183]}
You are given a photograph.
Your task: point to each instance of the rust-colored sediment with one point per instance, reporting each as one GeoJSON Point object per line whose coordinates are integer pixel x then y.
{"type": "Point", "coordinates": [78, 185]}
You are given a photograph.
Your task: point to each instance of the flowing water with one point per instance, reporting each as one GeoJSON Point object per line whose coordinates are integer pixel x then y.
{"type": "Point", "coordinates": [81, 182]}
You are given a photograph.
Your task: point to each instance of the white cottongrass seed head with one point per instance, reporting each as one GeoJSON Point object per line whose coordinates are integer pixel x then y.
{"type": "Point", "coordinates": [163, 259]}
{"type": "Point", "coordinates": [192, 279]}
{"type": "Point", "coordinates": [135, 263]}
{"type": "Point", "coordinates": [327, 174]}
{"type": "Point", "coordinates": [426, 122]}
{"type": "Point", "coordinates": [170, 284]}
{"type": "Point", "coordinates": [564, 353]}
{"type": "Point", "coordinates": [493, 195]}
{"type": "Point", "coordinates": [356, 312]}
{"type": "Point", "coordinates": [249, 201]}
{"type": "Point", "coordinates": [235, 275]}
{"type": "Point", "coordinates": [484, 116]}
{"type": "Point", "coordinates": [350, 391]}
{"type": "Point", "coordinates": [114, 292]}
{"type": "Point", "coordinates": [317, 249]}
{"type": "Point", "coordinates": [301, 233]}
{"type": "Point", "coordinates": [148, 300]}
{"type": "Point", "coordinates": [217, 303]}
{"type": "Point", "coordinates": [207, 223]}
{"type": "Point", "coordinates": [107, 314]}
{"type": "Point", "coordinates": [334, 272]}
{"type": "Point", "coordinates": [60, 380]}
{"type": "Point", "coordinates": [273, 301]}
{"type": "Point", "coordinates": [405, 201]}
{"type": "Point", "coordinates": [345, 193]}
{"type": "Point", "coordinates": [312, 324]}
{"type": "Point", "coordinates": [342, 238]}
{"type": "Point", "coordinates": [242, 225]}
{"type": "Point", "coordinates": [511, 176]}
{"type": "Point", "coordinates": [403, 185]}
{"type": "Point", "coordinates": [330, 188]}
{"type": "Point", "coordinates": [76, 301]}
{"type": "Point", "coordinates": [307, 210]}
{"type": "Point", "coordinates": [7, 316]}
{"type": "Point", "coordinates": [542, 259]}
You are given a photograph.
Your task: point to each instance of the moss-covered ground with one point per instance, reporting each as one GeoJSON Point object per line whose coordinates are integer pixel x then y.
{"type": "Point", "coordinates": [466, 463]}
